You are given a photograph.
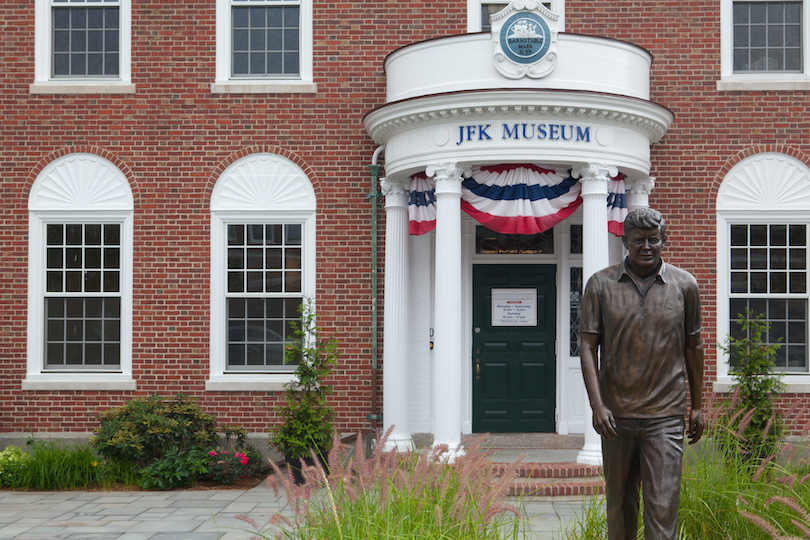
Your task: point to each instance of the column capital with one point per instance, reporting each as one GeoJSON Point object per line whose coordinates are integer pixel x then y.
{"type": "Point", "coordinates": [594, 177]}
{"type": "Point", "coordinates": [396, 191]}
{"type": "Point", "coordinates": [448, 177]}
{"type": "Point", "coordinates": [641, 186]}
{"type": "Point", "coordinates": [638, 192]}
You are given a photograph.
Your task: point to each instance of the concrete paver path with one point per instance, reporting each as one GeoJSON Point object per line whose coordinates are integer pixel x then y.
{"type": "Point", "coordinates": [185, 515]}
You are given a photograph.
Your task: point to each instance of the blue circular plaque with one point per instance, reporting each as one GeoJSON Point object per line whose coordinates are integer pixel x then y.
{"type": "Point", "coordinates": [525, 38]}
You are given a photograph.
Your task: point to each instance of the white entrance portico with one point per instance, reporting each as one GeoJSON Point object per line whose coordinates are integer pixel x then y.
{"type": "Point", "coordinates": [580, 106]}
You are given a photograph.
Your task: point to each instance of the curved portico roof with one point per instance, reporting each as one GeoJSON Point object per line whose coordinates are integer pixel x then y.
{"type": "Point", "coordinates": [447, 102]}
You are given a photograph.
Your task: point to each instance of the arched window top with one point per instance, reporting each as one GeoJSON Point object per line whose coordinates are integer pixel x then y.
{"type": "Point", "coordinates": [766, 182]}
{"type": "Point", "coordinates": [263, 183]}
{"type": "Point", "coordinates": [81, 183]}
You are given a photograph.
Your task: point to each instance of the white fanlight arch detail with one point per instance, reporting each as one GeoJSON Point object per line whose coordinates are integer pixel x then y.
{"type": "Point", "coordinates": [261, 183]}
{"type": "Point", "coordinates": [764, 183]}
{"type": "Point", "coordinates": [81, 182]}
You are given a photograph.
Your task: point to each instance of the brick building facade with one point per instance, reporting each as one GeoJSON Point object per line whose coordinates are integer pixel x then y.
{"type": "Point", "coordinates": [151, 150]}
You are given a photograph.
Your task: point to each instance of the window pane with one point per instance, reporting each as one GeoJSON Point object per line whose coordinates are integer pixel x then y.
{"type": "Point", "coordinates": [778, 235]}
{"type": "Point", "coordinates": [739, 282]}
{"type": "Point", "coordinates": [798, 235]}
{"type": "Point", "coordinates": [255, 258]}
{"type": "Point", "coordinates": [490, 242]}
{"type": "Point", "coordinates": [73, 235]}
{"type": "Point", "coordinates": [793, 60]}
{"type": "Point", "coordinates": [266, 41]}
{"type": "Point", "coordinates": [82, 332]}
{"type": "Point", "coordinates": [759, 259]}
{"type": "Point", "coordinates": [112, 235]}
{"type": "Point", "coordinates": [778, 282]}
{"type": "Point", "coordinates": [759, 282]}
{"type": "Point", "coordinates": [739, 235]}
{"type": "Point", "coordinates": [92, 282]}
{"type": "Point", "coordinates": [92, 235]}
{"type": "Point", "coordinates": [266, 260]}
{"type": "Point", "coordinates": [780, 261]}
{"type": "Point", "coordinates": [767, 36]}
{"type": "Point", "coordinates": [85, 42]}
{"type": "Point", "coordinates": [798, 282]}
{"type": "Point", "coordinates": [256, 335]}
{"type": "Point", "coordinates": [274, 234]}
{"type": "Point", "coordinates": [293, 235]}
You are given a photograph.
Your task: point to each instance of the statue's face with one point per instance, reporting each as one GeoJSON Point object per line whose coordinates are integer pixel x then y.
{"type": "Point", "coordinates": [644, 246]}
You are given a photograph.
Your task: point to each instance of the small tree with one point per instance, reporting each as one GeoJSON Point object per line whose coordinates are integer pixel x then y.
{"type": "Point", "coordinates": [306, 417]}
{"type": "Point", "coordinates": [756, 385]}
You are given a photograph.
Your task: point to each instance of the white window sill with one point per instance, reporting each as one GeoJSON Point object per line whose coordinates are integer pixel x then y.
{"type": "Point", "coordinates": [77, 382]}
{"type": "Point", "coordinates": [83, 87]}
{"type": "Point", "coordinates": [732, 84]}
{"type": "Point", "coordinates": [264, 87]}
{"type": "Point", "coordinates": [794, 384]}
{"type": "Point", "coordinates": [252, 383]}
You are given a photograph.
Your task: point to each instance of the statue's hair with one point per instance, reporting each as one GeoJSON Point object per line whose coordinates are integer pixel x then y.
{"type": "Point", "coordinates": [646, 219]}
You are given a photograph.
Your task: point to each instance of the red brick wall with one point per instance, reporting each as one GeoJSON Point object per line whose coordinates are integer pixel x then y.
{"type": "Point", "coordinates": [173, 138]}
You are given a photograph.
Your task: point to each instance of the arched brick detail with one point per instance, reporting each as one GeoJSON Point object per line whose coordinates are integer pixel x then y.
{"type": "Point", "coordinates": [96, 151]}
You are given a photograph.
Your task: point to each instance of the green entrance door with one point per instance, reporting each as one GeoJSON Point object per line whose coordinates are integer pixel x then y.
{"type": "Point", "coordinates": [514, 373]}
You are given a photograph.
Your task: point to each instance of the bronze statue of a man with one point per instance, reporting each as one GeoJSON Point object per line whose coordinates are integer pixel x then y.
{"type": "Point", "coordinates": [643, 317]}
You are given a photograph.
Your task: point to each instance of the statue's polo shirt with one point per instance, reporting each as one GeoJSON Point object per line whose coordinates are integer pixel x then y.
{"type": "Point", "coordinates": [642, 371]}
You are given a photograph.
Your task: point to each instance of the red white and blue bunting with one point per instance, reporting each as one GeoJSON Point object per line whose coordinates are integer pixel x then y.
{"type": "Point", "coordinates": [514, 199]}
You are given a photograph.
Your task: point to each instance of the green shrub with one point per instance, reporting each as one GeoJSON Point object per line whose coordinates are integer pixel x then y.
{"type": "Point", "coordinates": [142, 431]}
{"type": "Point", "coordinates": [177, 468]}
{"type": "Point", "coordinates": [13, 463]}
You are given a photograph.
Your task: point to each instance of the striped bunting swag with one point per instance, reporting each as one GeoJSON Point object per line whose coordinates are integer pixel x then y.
{"type": "Point", "coordinates": [514, 199]}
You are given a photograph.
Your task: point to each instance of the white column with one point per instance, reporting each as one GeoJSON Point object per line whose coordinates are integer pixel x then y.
{"type": "Point", "coordinates": [395, 333]}
{"type": "Point", "coordinates": [447, 340]}
{"type": "Point", "coordinates": [420, 295]}
{"type": "Point", "coordinates": [595, 256]}
{"type": "Point", "coordinates": [638, 192]}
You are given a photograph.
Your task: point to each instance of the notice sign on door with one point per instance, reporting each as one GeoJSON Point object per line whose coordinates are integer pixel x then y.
{"type": "Point", "coordinates": [514, 307]}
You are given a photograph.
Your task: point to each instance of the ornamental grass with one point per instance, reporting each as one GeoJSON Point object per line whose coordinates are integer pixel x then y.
{"type": "Point", "coordinates": [728, 491]}
{"type": "Point", "coordinates": [394, 495]}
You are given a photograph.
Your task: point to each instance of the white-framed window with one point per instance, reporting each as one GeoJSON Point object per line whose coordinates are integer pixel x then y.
{"type": "Point", "coordinates": [82, 46]}
{"type": "Point", "coordinates": [80, 277]}
{"type": "Point", "coordinates": [763, 245]}
{"type": "Point", "coordinates": [264, 46]}
{"type": "Point", "coordinates": [479, 11]}
{"type": "Point", "coordinates": [262, 268]}
{"type": "Point", "coordinates": [764, 45]}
